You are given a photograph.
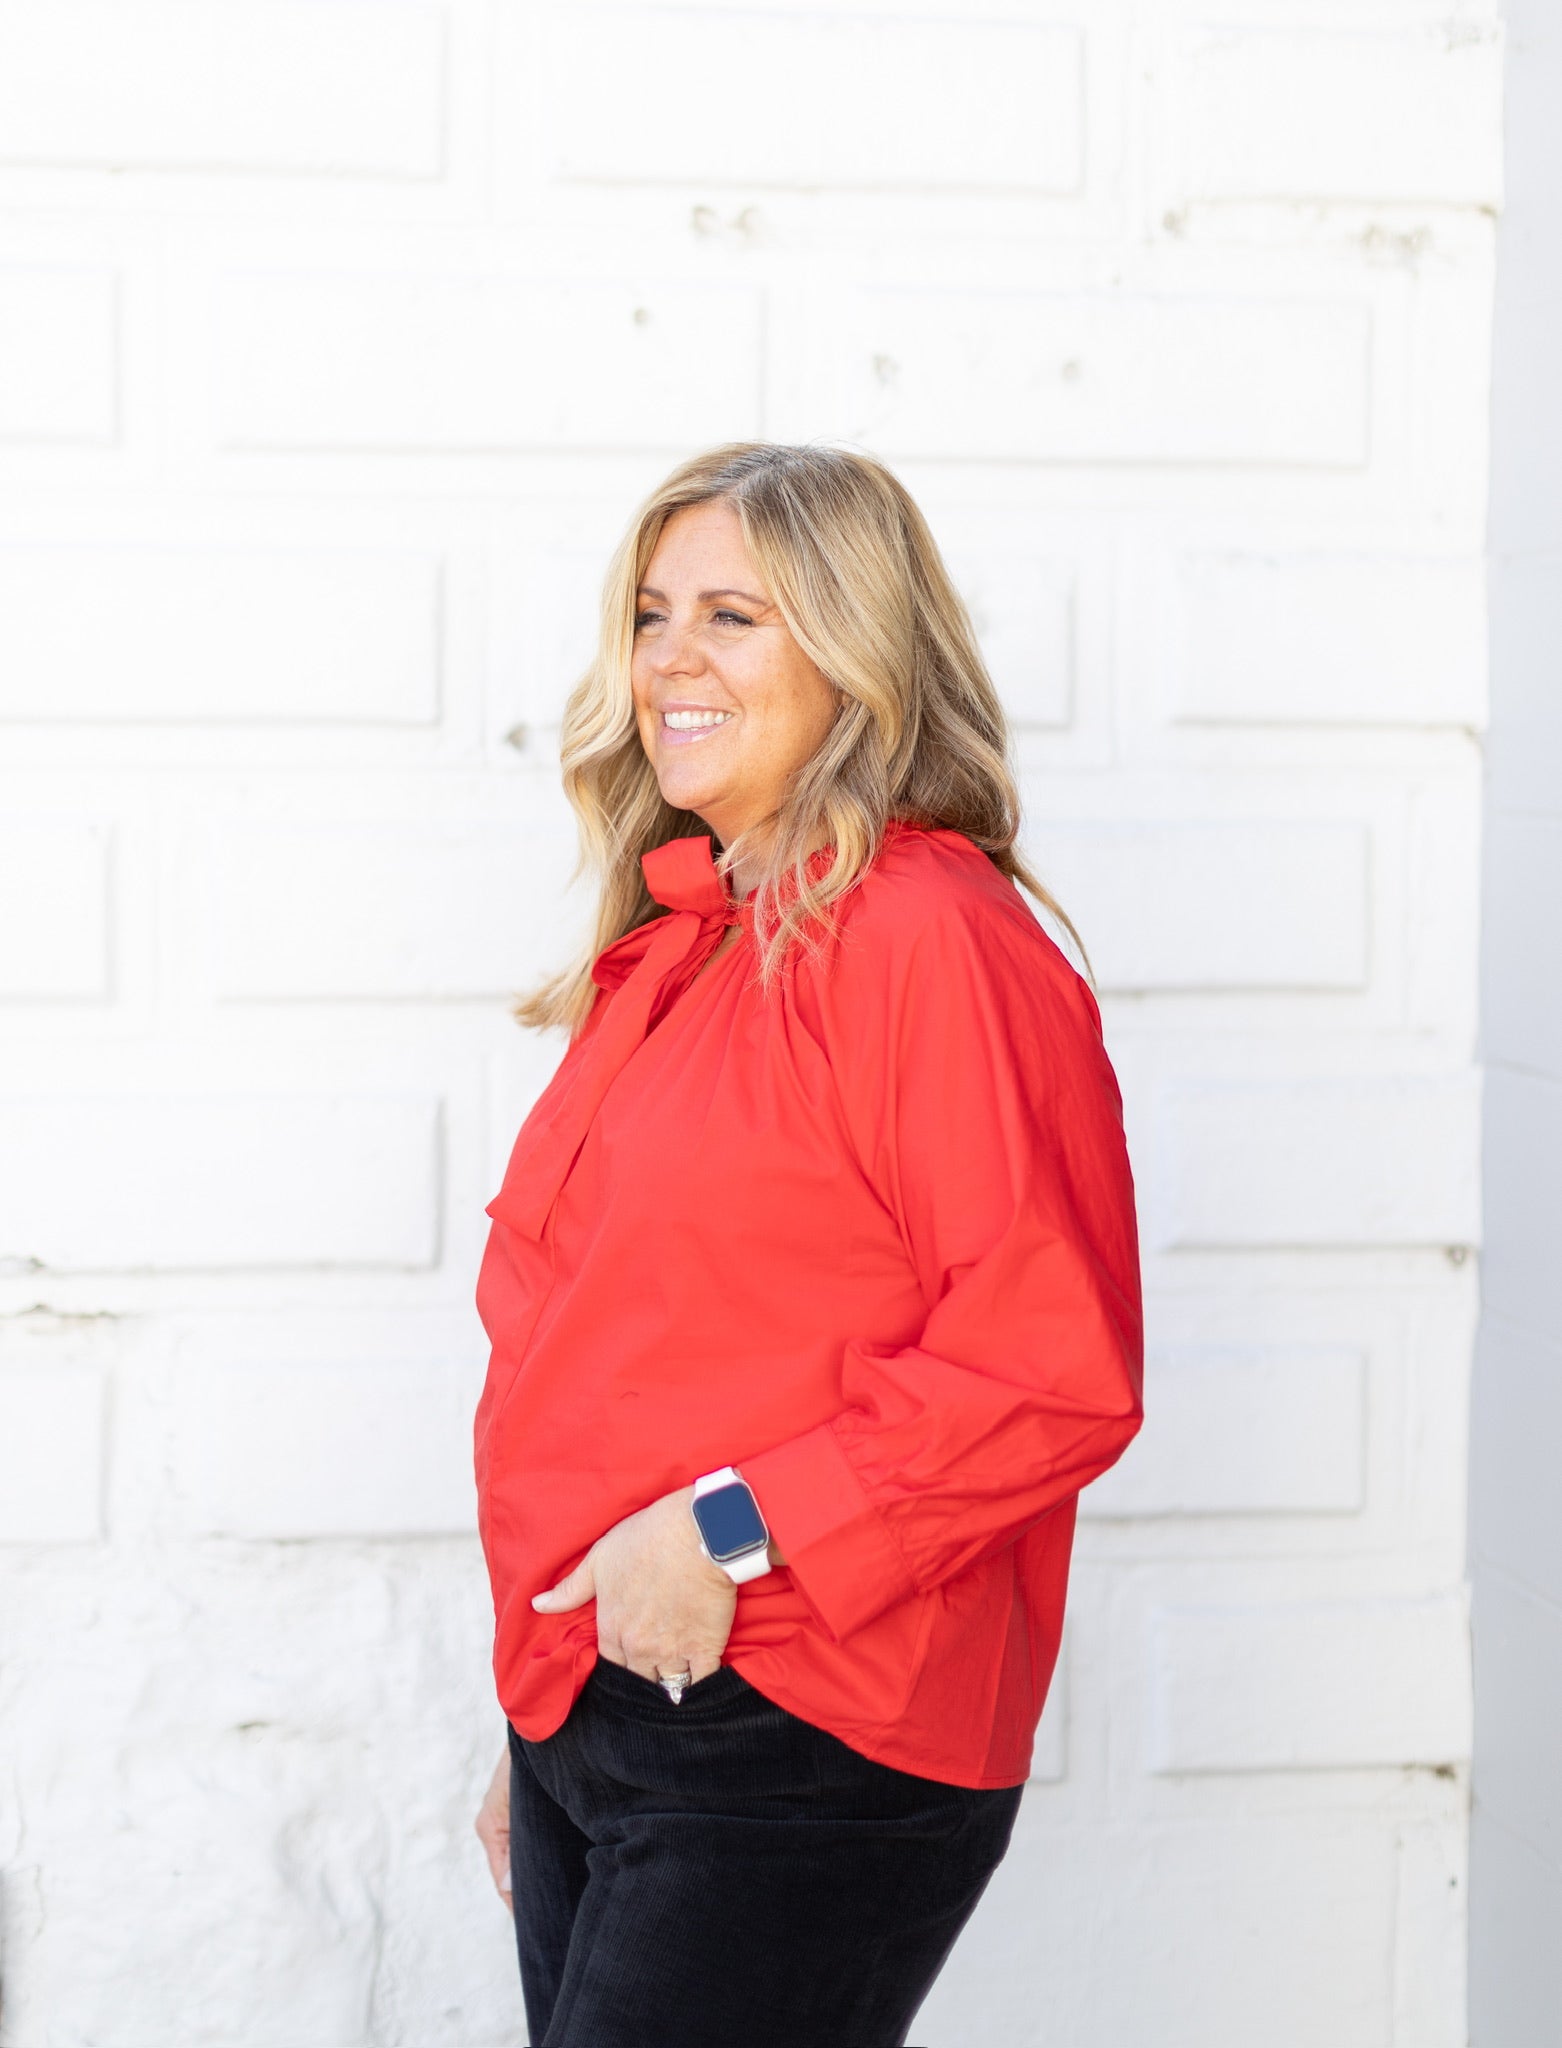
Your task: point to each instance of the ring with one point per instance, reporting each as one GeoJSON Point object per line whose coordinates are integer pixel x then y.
{"type": "Point", "coordinates": [675, 1683]}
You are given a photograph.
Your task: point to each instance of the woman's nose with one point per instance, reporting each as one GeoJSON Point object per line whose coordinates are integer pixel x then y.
{"type": "Point", "coordinates": [676, 650]}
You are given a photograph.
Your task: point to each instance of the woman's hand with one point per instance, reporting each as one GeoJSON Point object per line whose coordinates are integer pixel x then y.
{"type": "Point", "coordinates": [493, 1829]}
{"type": "Point", "coordinates": [661, 1603]}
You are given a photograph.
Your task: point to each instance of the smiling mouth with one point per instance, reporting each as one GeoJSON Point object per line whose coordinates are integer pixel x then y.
{"type": "Point", "coordinates": [689, 728]}
{"type": "Point", "coordinates": [693, 721]}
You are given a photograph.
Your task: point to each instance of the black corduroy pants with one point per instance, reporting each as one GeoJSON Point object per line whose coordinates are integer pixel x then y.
{"type": "Point", "coordinates": [722, 1874]}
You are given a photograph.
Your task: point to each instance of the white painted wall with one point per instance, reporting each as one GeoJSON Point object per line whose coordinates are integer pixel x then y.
{"type": "Point", "coordinates": [337, 339]}
{"type": "Point", "coordinates": [1516, 1410]}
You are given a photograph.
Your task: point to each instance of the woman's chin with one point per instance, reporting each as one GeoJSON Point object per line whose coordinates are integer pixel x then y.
{"type": "Point", "coordinates": [687, 792]}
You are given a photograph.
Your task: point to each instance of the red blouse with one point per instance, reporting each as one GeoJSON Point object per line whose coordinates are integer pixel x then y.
{"type": "Point", "coordinates": [871, 1239]}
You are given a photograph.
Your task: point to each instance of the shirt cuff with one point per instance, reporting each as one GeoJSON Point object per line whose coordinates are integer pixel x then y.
{"type": "Point", "coordinates": [837, 1549]}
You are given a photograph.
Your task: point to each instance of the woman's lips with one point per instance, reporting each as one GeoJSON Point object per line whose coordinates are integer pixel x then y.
{"type": "Point", "coordinates": [688, 735]}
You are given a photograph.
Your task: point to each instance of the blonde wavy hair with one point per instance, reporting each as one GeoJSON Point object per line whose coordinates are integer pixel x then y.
{"type": "Point", "coordinates": [919, 734]}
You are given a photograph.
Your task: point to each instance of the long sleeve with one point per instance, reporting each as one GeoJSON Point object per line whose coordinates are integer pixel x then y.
{"type": "Point", "coordinates": [982, 1107]}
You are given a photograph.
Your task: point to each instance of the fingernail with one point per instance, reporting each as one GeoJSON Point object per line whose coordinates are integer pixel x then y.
{"type": "Point", "coordinates": [506, 1882]}
{"type": "Point", "coordinates": [541, 1599]}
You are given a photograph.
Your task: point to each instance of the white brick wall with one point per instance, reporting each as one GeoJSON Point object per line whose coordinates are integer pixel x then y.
{"type": "Point", "coordinates": [57, 353]}
{"type": "Point", "coordinates": [833, 99]}
{"type": "Point", "coordinates": [1365, 113]}
{"type": "Point", "coordinates": [1329, 640]}
{"type": "Point", "coordinates": [428, 360]}
{"type": "Point", "coordinates": [1291, 1438]}
{"type": "Point", "coordinates": [351, 87]}
{"type": "Point", "coordinates": [55, 908]}
{"type": "Point", "coordinates": [166, 1180]}
{"type": "Point", "coordinates": [336, 341]}
{"type": "Point", "coordinates": [51, 1454]}
{"type": "Point", "coordinates": [1380, 1161]}
{"type": "Point", "coordinates": [147, 634]}
{"type": "Point", "coordinates": [1295, 1687]}
{"type": "Point", "coordinates": [1092, 377]}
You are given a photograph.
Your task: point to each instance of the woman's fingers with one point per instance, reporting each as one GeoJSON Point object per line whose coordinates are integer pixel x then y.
{"type": "Point", "coordinates": [662, 1662]}
{"type": "Point", "coordinates": [493, 1829]}
{"type": "Point", "coordinates": [693, 1643]}
{"type": "Point", "coordinates": [572, 1591]}
{"type": "Point", "coordinates": [662, 1606]}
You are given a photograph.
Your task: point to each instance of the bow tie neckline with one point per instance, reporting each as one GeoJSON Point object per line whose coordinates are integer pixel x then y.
{"type": "Point", "coordinates": [646, 970]}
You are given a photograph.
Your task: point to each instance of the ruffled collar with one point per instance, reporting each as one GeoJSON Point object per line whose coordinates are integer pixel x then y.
{"type": "Point", "coordinates": [647, 968]}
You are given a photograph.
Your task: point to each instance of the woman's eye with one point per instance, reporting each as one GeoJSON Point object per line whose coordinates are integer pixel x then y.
{"type": "Point", "coordinates": [726, 618]}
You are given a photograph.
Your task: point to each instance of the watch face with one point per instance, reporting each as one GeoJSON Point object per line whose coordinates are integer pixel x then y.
{"type": "Point", "coordinates": [729, 1522]}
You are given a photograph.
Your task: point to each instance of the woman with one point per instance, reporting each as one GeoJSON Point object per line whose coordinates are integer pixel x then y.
{"type": "Point", "coordinates": [813, 1289]}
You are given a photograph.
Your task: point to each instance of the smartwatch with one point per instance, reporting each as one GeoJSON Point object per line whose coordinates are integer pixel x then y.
{"type": "Point", "coordinates": [732, 1530]}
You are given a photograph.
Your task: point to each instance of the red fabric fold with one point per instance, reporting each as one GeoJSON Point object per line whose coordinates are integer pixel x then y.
{"type": "Point", "coordinates": [646, 970]}
{"type": "Point", "coordinates": [644, 973]}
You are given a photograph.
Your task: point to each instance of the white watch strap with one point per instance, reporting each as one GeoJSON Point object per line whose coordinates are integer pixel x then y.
{"type": "Point", "coordinates": [754, 1566]}
{"type": "Point", "coordinates": [729, 1475]}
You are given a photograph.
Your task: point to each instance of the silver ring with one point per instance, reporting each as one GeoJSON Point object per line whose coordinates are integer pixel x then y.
{"type": "Point", "coordinates": [675, 1683]}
